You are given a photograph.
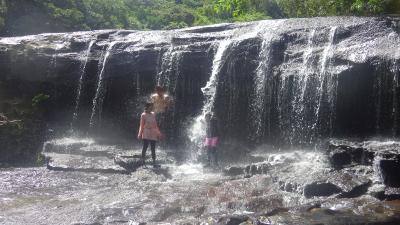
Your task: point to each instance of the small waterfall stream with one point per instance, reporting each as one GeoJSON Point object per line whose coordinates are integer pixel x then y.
{"type": "Point", "coordinates": [262, 101]}
{"type": "Point", "coordinates": [169, 69]}
{"type": "Point", "coordinates": [162, 76]}
{"type": "Point", "coordinates": [395, 69]}
{"type": "Point", "coordinates": [260, 104]}
{"type": "Point", "coordinates": [97, 100]}
{"type": "Point", "coordinates": [197, 131]}
{"type": "Point", "coordinates": [81, 79]}
{"type": "Point", "coordinates": [305, 73]}
{"type": "Point", "coordinates": [312, 87]}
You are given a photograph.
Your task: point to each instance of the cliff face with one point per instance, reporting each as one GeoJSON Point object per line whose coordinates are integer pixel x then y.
{"type": "Point", "coordinates": [280, 81]}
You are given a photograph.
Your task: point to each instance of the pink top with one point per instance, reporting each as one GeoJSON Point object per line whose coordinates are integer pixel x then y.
{"type": "Point", "coordinates": [148, 127]}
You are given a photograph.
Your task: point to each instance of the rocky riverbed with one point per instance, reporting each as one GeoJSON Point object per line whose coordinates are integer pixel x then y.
{"type": "Point", "coordinates": [296, 187]}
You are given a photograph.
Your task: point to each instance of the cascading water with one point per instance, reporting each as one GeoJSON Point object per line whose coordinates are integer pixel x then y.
{"type": "Point", "coordinates": [197, 131]}
{"type": "Point", "coordinates": [261, 102]}
{"type": "Point", "coordinates": [305, 72]}
{"type": "Point", "coordinates": [53, 61]}
{"type": "Point", "coordinates": [99, 90]}
{"type": "Point", "coordinates": [327, 80]}
{"type": "Point", "coordinates": [165, 68]}
{"type": "Point", "coordinates": [81, 78]}
{"type": "Point", "coordinates": [260, 82]}
{"type": "Point", "coordinates": [305, 92]}
{"type": "Point", "coordinates": [395, 69]}
{"type": "Point", "coordinates": [377, 176]}
{"type": "Point", "coordinates": [169, 71]}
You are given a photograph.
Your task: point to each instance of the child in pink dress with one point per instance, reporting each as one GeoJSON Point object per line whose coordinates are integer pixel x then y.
{"type": "Point", "coordinates": [149, 132]}
{"type": "Point", "coordinates": [211, 141]}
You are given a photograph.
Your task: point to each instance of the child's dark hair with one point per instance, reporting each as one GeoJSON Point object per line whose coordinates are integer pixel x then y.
{"type": "Point", "coordinates": [148, 105]}
{"type": "Point", "coordinates": [159, 88]}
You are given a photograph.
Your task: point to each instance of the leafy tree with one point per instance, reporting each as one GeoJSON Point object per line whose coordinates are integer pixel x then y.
{"type": "Point", "coordinates": [21, 16]}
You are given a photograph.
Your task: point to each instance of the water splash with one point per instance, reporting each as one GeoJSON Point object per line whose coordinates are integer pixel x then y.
{"type": "Point", "coordinates": [67, 141]}
{"type": "Point", "coordinates": [80, 84]}
{"type": "Point", "coordinates": [376, 165]}
{"type": "Point", "coordinates": [197, 131]}
{"type": "Point", "coordinates": [99, 90]}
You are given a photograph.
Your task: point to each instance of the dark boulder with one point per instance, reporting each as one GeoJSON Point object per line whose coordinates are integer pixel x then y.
{"type": "Point", "coordinates": [129, 163]}
{"type": "Point", "coordinates": [234, 171]}
{"type": "Point", "coordinates": [253, 169]}
{"type": "Point", "coordinates": [345, 153]}
{"type": "Point", "coordinates": [392, 193]}
{"type": "Point", "coordinates": [233, 220]}
{"type": "Point", "coordinates": [317, 189]}
{"type": "Point", "coordinates": [389, 169]}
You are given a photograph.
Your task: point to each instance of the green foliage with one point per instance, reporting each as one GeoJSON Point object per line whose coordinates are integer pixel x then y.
{"type": "Point", "coordinates": [39, 99]}
{"type": "Point", "coordinates": [309, 8]}
{"type": "Point", "coordinates": [69, 15]}
{"type": "Point", "coordinates": [3, 12]}
{"type": "Point", "coordinates": [368, 7]}
{"type": "Point", "coordinates": [237, 10]}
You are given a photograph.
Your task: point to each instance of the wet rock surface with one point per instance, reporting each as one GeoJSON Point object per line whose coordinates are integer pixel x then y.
{"type": "Point", "coordinates": [295, 187]}
{"type": "Point", "coordinates": [347, 170]}
{"type": "Point", "coordinates": [73, 154]}
{"type": "Point", "coordinates": [274, 66]}
{"type": "Point", "coordinates": [382, 156]}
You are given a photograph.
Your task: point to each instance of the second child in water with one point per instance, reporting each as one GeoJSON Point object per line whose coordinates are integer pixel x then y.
{"type": "Point", "coordinates": [211, 141]}
{"type": "Point", "coordinates": [149, 132]}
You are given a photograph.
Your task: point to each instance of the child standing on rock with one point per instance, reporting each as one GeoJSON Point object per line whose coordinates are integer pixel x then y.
{"type": "Point", "coordinates": [149, 132]}
{"type": "Point", "coordinates": [211, 141]}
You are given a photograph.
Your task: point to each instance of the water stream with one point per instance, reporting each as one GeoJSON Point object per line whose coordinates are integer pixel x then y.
{"type": "Point", "coordinates": [81, 79]}
{"type": "Point", "coordinates": [197, 131]}
{"type": "Point", "coordinates": [327, 80]}
{"type": "Point", "coordinates": [97, 100]}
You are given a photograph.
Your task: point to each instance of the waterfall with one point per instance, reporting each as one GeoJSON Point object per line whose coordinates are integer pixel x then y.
{"type": "Point", "coordinates": [302, 95]}
{"type": "Point", "coordinates": [376, 165]}
{"type": "Point", "coordinates": [98, 96]}
{"type": "Point", "coordinates": [53, 63]}
{"type": "Point", "coordinates": [82, 72]}
{"type": "Point", "coordinates": [170, 62]}
{"type": "Point", "coordinates": [167, 77]}
{"type": "Point", "coordinates": [306, 70]}
{"type": "Point", "coordinates": [162, 77]}
{"type": "Point", "coordinates": [197, 131]}
{"type": "Point", "coordinates": [260, 82]}
{"type": "Point", "coordinates": [300, 99]}
{"type": "Point", "coordinates": [395, 69]}
{"type": "Point", "coordinates": [328, 80]}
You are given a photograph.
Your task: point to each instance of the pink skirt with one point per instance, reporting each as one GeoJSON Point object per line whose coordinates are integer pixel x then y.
{"type": "Point", "coordinates": [211, 142]}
